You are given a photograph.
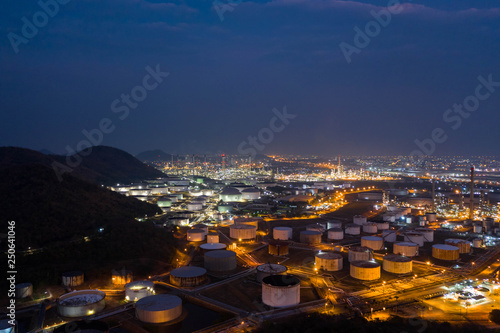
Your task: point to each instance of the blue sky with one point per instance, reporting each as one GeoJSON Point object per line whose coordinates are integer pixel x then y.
{"type": "Point", "coordinates": [226, 76]}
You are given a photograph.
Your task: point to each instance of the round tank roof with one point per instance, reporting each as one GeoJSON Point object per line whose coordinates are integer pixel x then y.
{"type": "Point", "coordinates": [278, 242]}
{"type": "Point", "coordinates": [328, 255]}
{"type": "Point", "coordinates": [243, 226]}
{"type": "Point", "coordinates": [230, 191]}
{"type": "Point", "coordinates": [359, 249]}
{"type": "Point", "coordinates": [23, 285]}
{"type": "Point", "coordinates": [372, 238]}
{"type": "Point", "coordinates": [195, 231]}
{"type": "Point", "coordinates": [281, 280]}
{"type": "Point", "coordinates": [213, 246]}
{"type": "Point", "coordinates": [396, 258]}
{"type": "Point", "coordinates": [445, 247]}
{"type": "Point", "coordinates": [455, 241]}
{"type": "Point", "coordinates": [365, 264]}
{"type": "Point", "coordinates": [406, 244]}
{"type": "Point", "coordinates": [335, 229]}
{"type": "Point", "coordinates": [159, 302]}
{"type": "Point", "coordinates": [310, 232]}
{"type": "Point", "coordinates": [221, 254]}
{"type": "Point", "coordinates": [283, 228]}
{"type": "Point", "coordinates": [72, 273]}
{"type": "Point", "coordinates": [188, 271]}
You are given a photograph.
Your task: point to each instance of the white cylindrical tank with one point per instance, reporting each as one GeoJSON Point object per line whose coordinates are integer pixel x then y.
{"type": "Point", "coordinates": [431, 217]}
{"type": "Point", "coordinates": [329, 261]}
{"type": "Point", "coordinates": [463, 245]}
{"type": "Point", "coordinates": [72, 279]}
{"type": "Point", "coordinates": [357, 253]}
{"type": "Point", "coordinates": [136, 290]}
{"type": "Point", "coordinates": [316, 227]}
{"type": "Point", "coordinates": [352, 229]}
{"type": "Point", "coordinates": [382, 226]}
{"type": "Point", "coordinates": [24, 290]}
{"type": "Point", "coordinates": [334, 224]}
{"type": "Point", "coordinates": [397, 264]}
{"type": "Point", "coordinates": [282, 233]}
{"type": "Point", "coordinates": [242, 231]}
{"type": "Point", "coordinates": [280, 290]}
{"type": "Point", "coordinates": [414, 237]}
{"type": "Point", "coordinates": [265, 270]}
{"type": "Point", "coordinates": [427, 233]}
{"type": "Point", "coordinates": [121, 277]}
{"type": "Point", "coordinates": [335, 234]}
{"type": "Point", "coordinates": [445, 252]}
{"type": "Point", "coordinates": [248, 220]}
{"type": "Point", "coordinates": [158, 309]}
{"type": "Point", "coordinates": [188, 276]}
{"type": "Point", "coordinates": [477, 242]}
{"type": "Point", "coordinates": [310, 237]}
{"type": "Point", "coordinates": [370, 228]}
{"type": "Point", "coordinates": [81, 303]}
{"type": "Point", "coordinates": [220, 260]}
{"type": "Point", "coordinates": [408, 249]}
{"type": "Point", "coordinates": [213, 246]}
{"type": "Point", "coordinates": [195, 235]}
{"type": "Point", "coordinates": [477, 228]}
{"type": "Point", "coordinates": [365, 270]}
{"type": "Point", "coordinates": [212, 237]}
{"type": "Point", "coordinates": [208, 192]}
{"type": "Point", "coordinates": [359, 219]}
{"type": "Point", "coordinates": [389, 235]}
{"type": "Point", "coordinates": [373, 242]}
{"type": "Point", "coordinates": [389, 217]}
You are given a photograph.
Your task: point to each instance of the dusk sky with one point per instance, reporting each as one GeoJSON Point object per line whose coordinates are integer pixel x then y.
{"type": "Point", "coordinates": [226, 76]}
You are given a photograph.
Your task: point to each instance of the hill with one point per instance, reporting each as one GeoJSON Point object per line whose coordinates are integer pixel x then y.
{"type": "Point", "coordinates": [104, 165]}
{"type": "Point", "coordinates": [48, 211]}
{"type": "Point", "coordinates": [154, 155]}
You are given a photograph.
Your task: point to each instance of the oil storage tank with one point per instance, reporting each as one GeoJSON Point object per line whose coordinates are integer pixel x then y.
{"type": "Point", "coordinates": [382, 226]}
{"type": "Point", "coordinates": [359, 219]}
{"type": "Point", "coordinates": [397, 264]}
{"type": "Point", "coordinates": [334, 224]}
{"type": "Point", "coordinates": [445, 252]}
{"type": "Point", "coordinates": [212, 237]}
{"type": "Point", "coordinates": [242, 231]}
{"type": "Point", "coordinates": [370, 228]}
{"type": "Point", "coordinates": [121, 277]}
{"type": "Point", "coordinates": [310, 237]}
{"type": "Point", "coordinates": [316, 227]}
{"type": "Point", "coordinates": [408, 249]}
{"type": "Point", "coordinates": [212, 246]}
{"type": "Point", "coordinates": [248, 220]}
{"type": "Point", "coordinates": [72, 279]}
{"type": "Point", "coordinates": [352, 229]}
{"type": "Point", "coordinates": [427, 233]}
{"type": "Point", "coordinates": [24, 290]}
{"type": "Point", "coordinates": [477, 242]}
{"type": "Point", "coordinates": [365, 270]}
{"type": "Point", "coordinates": [268, 270]}
{"type": "Point", "coordinates": [220, 260]}
{"type": "Point", "coordinates": [195, 235]}
{"type": "Point", "coordinates": [414, 237]}
{"type": "Point", "coordinates": [201, 226]}
{"type": "Point", "coordinates": [389, 235]}
{"type": "Point", "coordinates": [357, 253]}
{"type": "Point", "coordinates": [136, 290]}
{"type": "Point", "coordinates": [280, 290]}
{"type": "Point", "coordinates": [373, 242]}
{"type": "Point", "coordinates": [81, 303]}
{"type": "Point", "coordinates": [329, 261]}
{"type": "Point", "coordinates": [282, 233]}
{"type": "Point", "coordinates": [335, 234]}
{"type": "Point", "coordinates": [431, 217]}
{"type": "Point", "coordinates": [278, 248]}
{"type": "Point", "coordinates": [188, 276]}
{"type": "Point", "coordinates": [158, 309]}
{"type": "Point", "coordinates": [462, 244]}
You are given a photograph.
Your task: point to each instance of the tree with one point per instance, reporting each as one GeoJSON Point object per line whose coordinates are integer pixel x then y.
{"type": "Point", "coordinates": [495, 316]}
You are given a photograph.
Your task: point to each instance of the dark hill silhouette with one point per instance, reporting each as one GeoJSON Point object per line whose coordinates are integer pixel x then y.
{"type": "Point", "coordinates": [154, 155]}
{"type": "Point", "coordinates": [104, 165]}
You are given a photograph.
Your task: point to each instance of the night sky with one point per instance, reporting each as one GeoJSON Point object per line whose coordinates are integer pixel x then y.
{"type": "Point", "coordinates": [226, 76]}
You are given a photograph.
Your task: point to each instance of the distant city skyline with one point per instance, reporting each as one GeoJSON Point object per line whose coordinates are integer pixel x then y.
{"type": "Point", "coordinates": [191, 77]}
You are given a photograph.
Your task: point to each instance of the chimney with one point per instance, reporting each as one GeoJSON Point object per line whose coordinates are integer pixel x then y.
{"type": "Point", "coordinates": [471, 203]}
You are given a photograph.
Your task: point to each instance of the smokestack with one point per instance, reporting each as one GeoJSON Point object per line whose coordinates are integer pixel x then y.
{"type": "Point", "coordinates": [460, 200]}
{"type": "Point", "coordinates": [433, 196]}
{"type": "Point", "coordinates": [471, 203]}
